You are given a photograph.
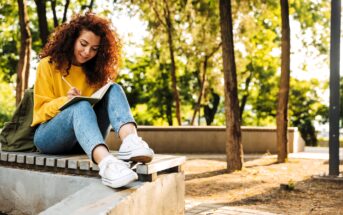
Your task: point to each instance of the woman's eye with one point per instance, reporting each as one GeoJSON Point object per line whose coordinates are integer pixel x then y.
{"type": "Point", "coordinates": [95, 49]}
{"type": "Point", "coordinates": [83, 44]}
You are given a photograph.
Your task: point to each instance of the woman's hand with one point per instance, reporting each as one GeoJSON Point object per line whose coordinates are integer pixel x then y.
{"type": "Point", "coordinates": [73, 92]}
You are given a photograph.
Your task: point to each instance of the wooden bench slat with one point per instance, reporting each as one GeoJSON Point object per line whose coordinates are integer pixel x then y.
{"type": "Point", "coordinates": [161, 164]}
{"type": "Point", "coordinates": [85, 164]}
{"type": "Point", "coordinates": [74, 163]}
{"type": "Point", "coordinates": [12, 157]}
{"type": "Point", "coordinates": [40, 160]}
{"type": "Point", "coordinates": [94, 167]}
{"type": "Point", "coordinates": [21, 158]}
{"type": "Point", "coordinates": [4, 156]}
{"type": "Point", "coordinates": [30, 159]}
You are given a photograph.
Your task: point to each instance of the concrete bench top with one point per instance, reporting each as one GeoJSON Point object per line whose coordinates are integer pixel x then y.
{"type": "Point", "coordinates": [82, 165]}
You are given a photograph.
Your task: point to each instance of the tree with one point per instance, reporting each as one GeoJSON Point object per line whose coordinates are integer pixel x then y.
{"type": "Point", "coordinates": [200, 48]}
{"type": "Point", "coordinates": [42, 20]}
{"type": "Point", "coordinates": [42, 13]}
{"type": "Point", "coordinates": [305, 107]}
{"type": "Point", "coordinates": [23, 67]}
{"type": "Point", "coordinates": [211, 108]}
{"type": "Point", "coordinates": [147, 89]}
{"type": "Point", "coordinates": [7, 102]}
{"type": "Point", "coordinates": [160, 16]}
{"type": "Point", "coordinates": [202, 86]}
{"type": "Point", "coordinates": [257, 43]}
{"type": "Point", "coordinates": [234, 149]}
{"type": "Point", "coordinates": [53, 8]}
{"type": "Point", "coordinates": [257, 38]}
{"type": "Point", "coordinates": [166, 20]}
{"type": "Point", "coordinates": [10, 35]}
{"type": "Point", "coordinates": [282, 106]}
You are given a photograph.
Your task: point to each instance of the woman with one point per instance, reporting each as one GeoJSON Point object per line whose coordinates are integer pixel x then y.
{"type": "Point", "coordinates": [84, 54]}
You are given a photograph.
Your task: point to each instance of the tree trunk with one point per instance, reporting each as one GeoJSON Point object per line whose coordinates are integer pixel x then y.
{"type": "Point", "coordinates": [23, 68]}
{"type": "Point", "coordinates": [282, 106]}
{"type": "Point", "coordinates": [42, 21]}
{"type": "Point", "coordinates": [169, 29]}
{"type": "Point", "coordinates": [202, 90]}
{"type": "Point", "coordinates": [202, 82]}
{"type": "Point", "coordinates": [91, 4]}
{"type": "Point", "coordinates": [53, 8]}
{"type": "Point", "coordinates": [234, 149]}
{"type": "Point", "coordinates": [245, 95]}
{"type": "Point", "coordinates": [66, 5]}
{"type": "Point", "coordinates": [210, 110]}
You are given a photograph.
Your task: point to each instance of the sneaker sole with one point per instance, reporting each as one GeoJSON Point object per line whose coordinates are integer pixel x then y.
{"type": "Point", "coordinates": [143, 156]}
{"type": "Point", "coordinates": [120, 182]}
{"type": "Point", "coordinates": [142, 159]}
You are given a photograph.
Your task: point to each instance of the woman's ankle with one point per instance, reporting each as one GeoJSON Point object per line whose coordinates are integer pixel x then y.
{"type": "Point", "coordinates": [99, 153]}
{"type": "Point", "coordinates": [126, 130]}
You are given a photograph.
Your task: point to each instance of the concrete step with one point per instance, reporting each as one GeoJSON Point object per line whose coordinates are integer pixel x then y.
{"type": "Point", "coordinates": [35, 192]}
{"type": "Point", "coordinates": [33, 183]}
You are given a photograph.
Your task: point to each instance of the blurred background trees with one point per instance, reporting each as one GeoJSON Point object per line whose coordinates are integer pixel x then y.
{"type": "Point", "coordinates": [177, 76]}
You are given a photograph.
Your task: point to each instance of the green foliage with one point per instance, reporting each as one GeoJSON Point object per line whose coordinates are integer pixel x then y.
{"type": "Point", "coordinates": [146, 78]}
{"type": "Point", "coordinates": [257, 50]}
{"type": "Point", "coordinates": [7, 102]}
{"type": "Point", "coordinates": [258, 38]}
{"type": "Point", "coordinates": [9, 42]}
{"type": "Point", "coordinates": [304, 106]}
{"type": "Point", "coordinates": [148, 82]}
{"type": "Point", "coordinates": [313, 17]}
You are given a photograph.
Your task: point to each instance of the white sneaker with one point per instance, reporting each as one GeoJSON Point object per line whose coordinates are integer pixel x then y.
{"type": "Point", "coordinates": [135, 149]}
{"type": "Point", "coordinates": [116, 173]}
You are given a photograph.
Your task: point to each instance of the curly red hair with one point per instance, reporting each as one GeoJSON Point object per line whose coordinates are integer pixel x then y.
{"type": "Point", "coordinates": [60, 48]}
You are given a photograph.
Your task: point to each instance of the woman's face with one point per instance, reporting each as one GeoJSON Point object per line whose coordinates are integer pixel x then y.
{"type": "Point", "coordinates": [86, 47]}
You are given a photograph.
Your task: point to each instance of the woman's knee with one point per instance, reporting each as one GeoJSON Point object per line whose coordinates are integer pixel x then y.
{"type": "Point", "coordinates": [116, 88]}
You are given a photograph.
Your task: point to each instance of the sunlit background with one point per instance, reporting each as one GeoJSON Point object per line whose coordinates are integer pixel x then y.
{"type": "Point", "coordinates": [307, 63]}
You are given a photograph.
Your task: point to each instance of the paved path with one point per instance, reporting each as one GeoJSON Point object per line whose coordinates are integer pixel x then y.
{"type": "Point", "coordinates": [315, 153]}
{"type": "Point", "coordinates": [193, 208]}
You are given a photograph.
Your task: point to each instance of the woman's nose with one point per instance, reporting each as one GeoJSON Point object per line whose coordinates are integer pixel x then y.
{"type": "Point", "coordinates": [86, 51]}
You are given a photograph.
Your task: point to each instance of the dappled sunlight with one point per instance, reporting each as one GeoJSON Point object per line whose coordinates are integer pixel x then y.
{"type": "Point", "coordinates": [308, 197]}
{"type": "Point", "coordinates": [257, 185]}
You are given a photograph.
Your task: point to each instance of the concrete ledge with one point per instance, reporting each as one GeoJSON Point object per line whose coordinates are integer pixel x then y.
{"type": "Point", "coordinates": [164, 196]}
{"type": "Point", "coordinates": [31, 192]}
{"type": "Point", "coordinates": [209, 139]}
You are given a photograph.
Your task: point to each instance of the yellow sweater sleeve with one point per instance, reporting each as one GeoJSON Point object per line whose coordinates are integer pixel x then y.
{"type": "Point", "coordinates": [46, 102]}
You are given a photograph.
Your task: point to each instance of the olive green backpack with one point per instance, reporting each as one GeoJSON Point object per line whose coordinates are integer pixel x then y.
{"type": "Point", "coordinates": [17, 135]}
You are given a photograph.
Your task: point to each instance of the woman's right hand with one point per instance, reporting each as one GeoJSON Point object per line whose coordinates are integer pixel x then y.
{"type": "Point", "coordinates": [73, 92]}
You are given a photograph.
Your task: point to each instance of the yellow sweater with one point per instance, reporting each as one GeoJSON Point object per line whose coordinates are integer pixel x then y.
{"type": "Point", "coordinates": [50, 91]}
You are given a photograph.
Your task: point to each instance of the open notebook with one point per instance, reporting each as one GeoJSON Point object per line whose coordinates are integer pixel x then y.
{"type": "Point", "coordinates": [94, 98]}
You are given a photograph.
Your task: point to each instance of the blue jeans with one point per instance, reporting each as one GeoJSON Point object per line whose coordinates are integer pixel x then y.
{"type": "Point", "coordinates": [82, 125]}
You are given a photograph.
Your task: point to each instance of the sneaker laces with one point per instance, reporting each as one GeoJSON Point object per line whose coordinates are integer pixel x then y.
{"type": "Point", "coordinates": [112, 163]}
{"type": "Point", "coordinates": [136, 140]}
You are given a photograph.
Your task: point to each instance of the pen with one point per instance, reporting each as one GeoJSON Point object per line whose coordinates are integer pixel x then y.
{"type": "Point", "coordinates": [71, 86]}
{"type": "Point", "coordinates": [67, 82]}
